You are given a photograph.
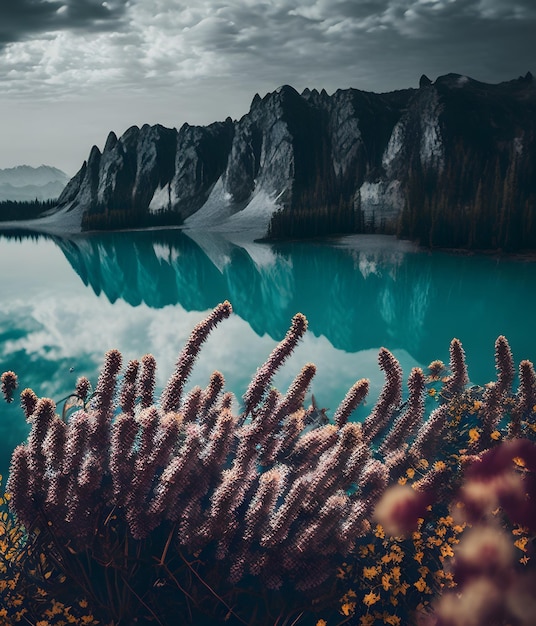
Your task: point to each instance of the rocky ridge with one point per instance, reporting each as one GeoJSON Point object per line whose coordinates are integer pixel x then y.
{"type": "Point", "coordinates": [345, 162]}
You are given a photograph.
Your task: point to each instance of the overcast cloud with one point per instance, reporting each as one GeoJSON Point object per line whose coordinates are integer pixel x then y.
{"type": "Point", "coordinates": [71, 70]}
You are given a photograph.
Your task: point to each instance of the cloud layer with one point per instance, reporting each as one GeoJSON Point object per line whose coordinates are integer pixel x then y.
{"type": "Point", "coordinates": [20, 19]}
{"type": "Point", "coordinates": [181, 53]}
{"type": "Point", "coordinates": [70, 44]}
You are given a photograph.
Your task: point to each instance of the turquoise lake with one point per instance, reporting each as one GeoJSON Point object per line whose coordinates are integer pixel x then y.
{"type": "Point", "coordinates": [65, 301]}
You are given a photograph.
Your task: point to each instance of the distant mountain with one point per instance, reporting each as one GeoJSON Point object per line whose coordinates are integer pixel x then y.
{"type": "Point", "coordinates": [452, 163]}
{"type": "Point", "coordinates": [25, 183]}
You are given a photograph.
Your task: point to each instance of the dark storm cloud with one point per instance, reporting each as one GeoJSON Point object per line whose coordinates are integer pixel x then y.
{"type": "Point", "coordinates": [386, 42]}
{"type": "Point", "coordinates": [22, 18]}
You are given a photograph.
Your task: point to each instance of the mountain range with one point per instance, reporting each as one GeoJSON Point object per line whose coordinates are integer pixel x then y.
{"type": "Point", "coordinates": [452, 163]}
{"type": "Point", "coordinates": [24, 183]}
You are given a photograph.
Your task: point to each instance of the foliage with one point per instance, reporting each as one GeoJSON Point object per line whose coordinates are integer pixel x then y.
{"type": "Point", "coordinates": [112, 218]}
{"type": "Point", "coordinates": [131, 510]}
{"type": "Point", "coordinates": [24, 210]}
{"type": "Point", "coordinates": [483, 200]}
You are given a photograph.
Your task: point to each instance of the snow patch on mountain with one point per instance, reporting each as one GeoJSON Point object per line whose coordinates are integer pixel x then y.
{"type": "Point", "coordinates": [254, 220]}
{"type": "Point", "coordinates": [220, 214]}
{"type": "Point", "coordinates": [163, 198]}
{"type": "Point", "coordinates": [381, 199]}
{"type": "Point", "coordinates": [216, 209]}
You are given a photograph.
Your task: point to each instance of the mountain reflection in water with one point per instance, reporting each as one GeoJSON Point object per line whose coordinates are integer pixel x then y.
{"type": "Point", "coordinates": [359, 293]}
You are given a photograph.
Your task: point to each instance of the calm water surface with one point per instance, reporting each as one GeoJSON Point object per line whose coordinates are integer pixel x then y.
{"type": "Point", "coordinates": [65, 301]}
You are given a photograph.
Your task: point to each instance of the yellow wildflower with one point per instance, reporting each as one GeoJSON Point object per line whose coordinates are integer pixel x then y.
{"type": "Point", "coordinates": [401, 589]}
{"type": "Point", "coordinates": [420, 584]}
{"type": "Point", "coordinates": [348, 608]}
{"type": "Point", "coordinates": [410, 472]}
{"type": "Point", "coordinates": [433, 541]}
{"type": "Point", "coordinates": [423, 571]}
{"type": "Point", "coordinates": [419, 556]}
{"type": "Point", "coordinates": [394, 620]}
{"type": "Point", "coordinates": [321, 622]}
{"type": "Point", "coordinates": [474, 435]}
{"type": "Point", "coordinates": [440, 465]}
{"type": "Point", "coordinates": [371, 598]}
{"type": "Point", "coordinates": [395, 573]}
{"type": "Point", "coordinates": [402, 480]}
{"type": "Point", "coordinates": [495, 435]}
{"type": "Point", "coordinates": [386, 582]}
{"type": "Point", "coordinates": [446, 550]}
{"type": "Point", "coordinates": [520, 462]}
{"type": "Point", "coordinates": [521, 543]}
{"type": "Point", "coordinates": [379, 532]}
{"type": "Point", "coordinates": [364, 550]}
{"type": "Point", "coordinates": [370, 572]}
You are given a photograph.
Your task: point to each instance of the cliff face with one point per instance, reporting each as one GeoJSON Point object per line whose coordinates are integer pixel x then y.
{"type": "Point", "coordinates": [311, 163]}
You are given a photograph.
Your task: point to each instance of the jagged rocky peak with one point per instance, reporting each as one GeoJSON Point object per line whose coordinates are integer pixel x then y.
{"type": "Point", "coordinates": [297, 154]}
{"type": "Point", "coordinates": [286, 90]}
{"type": "Point", "coordinates": [424, 81]}
{"type": "Point", "coordinates": [111, 141]}
{"type": "Point", "coordinates": [94, 154]}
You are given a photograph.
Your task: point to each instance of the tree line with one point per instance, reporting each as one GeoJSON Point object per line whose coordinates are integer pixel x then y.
{"type": "Point", "coordinates": [478, 202]}
{"type": "Point", "coordinates": [23, 209]}
{"type": "Point", "coordinates": [115, 219]}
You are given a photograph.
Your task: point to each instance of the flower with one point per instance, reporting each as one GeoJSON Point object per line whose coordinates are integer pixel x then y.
{"type": "Point", "coordinates": [370, 572]}
{"type": "Point", "coordinates": [521, 543]}
{"type": "Point", "coordinates": [371, 598]}
{"type": "Point", "coordinates": [420, 584]}
{"type": "Point", "coordinates": [348, 608]}
{"type": "Point", "coordinates": [474, 435]}
{"type": "Point", "coordinates": [386, 582]}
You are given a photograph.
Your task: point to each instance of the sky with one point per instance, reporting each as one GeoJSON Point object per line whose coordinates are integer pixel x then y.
{"type": "Point", "coordinates": [72, 70]}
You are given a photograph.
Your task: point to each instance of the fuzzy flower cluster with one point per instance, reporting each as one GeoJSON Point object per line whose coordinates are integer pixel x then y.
{"type": "Point", "coordinates": [276, 494]}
